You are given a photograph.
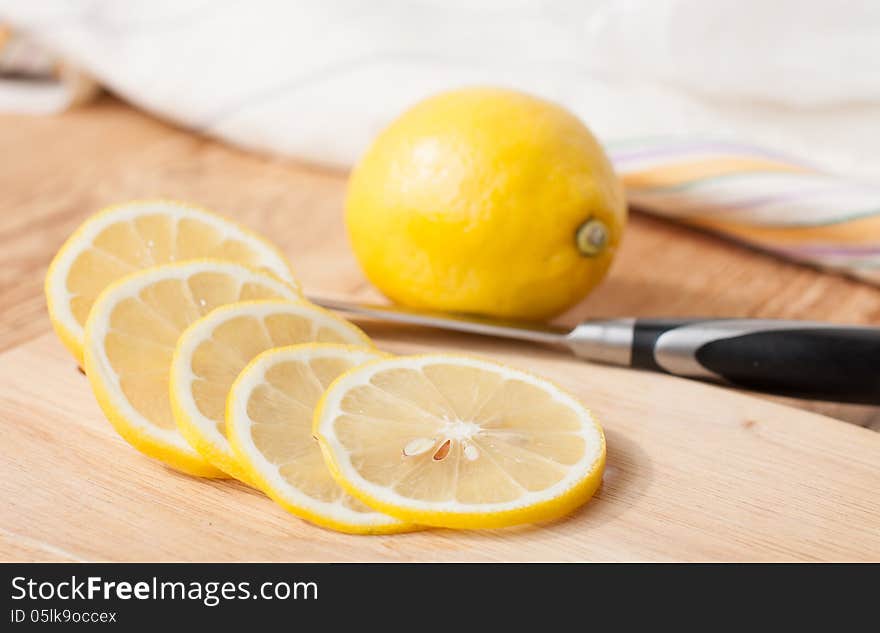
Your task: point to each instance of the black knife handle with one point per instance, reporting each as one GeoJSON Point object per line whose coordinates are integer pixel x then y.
{"type": "Point", "coordinates": [794, 358]}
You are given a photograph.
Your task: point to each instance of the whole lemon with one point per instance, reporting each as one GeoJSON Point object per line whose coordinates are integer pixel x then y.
{"type": "Point", "coordinates": [486, 201]}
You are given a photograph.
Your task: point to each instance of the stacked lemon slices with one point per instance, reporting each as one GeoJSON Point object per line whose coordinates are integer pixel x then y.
{"type": "Point", "coordinates": [203, 354]}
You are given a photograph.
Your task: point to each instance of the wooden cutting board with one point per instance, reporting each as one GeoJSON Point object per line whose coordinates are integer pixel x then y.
{"type": "Point", "coordinates": [694, 473]}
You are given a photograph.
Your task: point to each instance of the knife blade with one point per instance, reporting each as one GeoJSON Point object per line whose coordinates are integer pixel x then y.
{"type": "Point", "coordinates": [804, 359]}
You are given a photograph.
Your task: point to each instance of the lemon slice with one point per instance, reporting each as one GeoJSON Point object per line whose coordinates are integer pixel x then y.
{"type": "Point", "coordinates": [130, 338]}
{"type": "Point", "coordinates": [212, 352]}
{"type": "Point", "coordinates": [269, 425]}
{"type": "Point", "coordinates": [129, 237]}
{"type": "Point", "coordinates": [452, 441]}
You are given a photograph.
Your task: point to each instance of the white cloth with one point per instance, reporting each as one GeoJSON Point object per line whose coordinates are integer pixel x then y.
{"type": "Point", "coordinates": [317, 79]}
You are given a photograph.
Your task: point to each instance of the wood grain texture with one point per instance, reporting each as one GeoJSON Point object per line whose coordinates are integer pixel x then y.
{"type": "Point", "coordinates": [695, 472]}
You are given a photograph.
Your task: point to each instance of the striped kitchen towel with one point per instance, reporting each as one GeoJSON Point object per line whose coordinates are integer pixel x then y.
{"type": "Point", "coordinates": [762, 198]}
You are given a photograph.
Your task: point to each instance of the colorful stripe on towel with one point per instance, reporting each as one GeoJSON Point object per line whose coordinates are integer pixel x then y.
{"type": "Point", "coordinates": [758, 197]}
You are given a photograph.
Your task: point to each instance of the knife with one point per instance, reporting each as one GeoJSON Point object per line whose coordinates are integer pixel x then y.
{"type": "Point", "coordinates": [804, 359]}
